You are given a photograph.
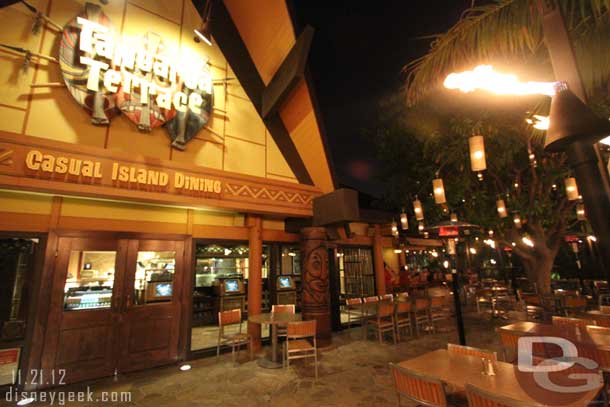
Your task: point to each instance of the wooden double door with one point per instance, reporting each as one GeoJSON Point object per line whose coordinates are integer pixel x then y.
{"type": "Point", "coordinates": [115, 307]}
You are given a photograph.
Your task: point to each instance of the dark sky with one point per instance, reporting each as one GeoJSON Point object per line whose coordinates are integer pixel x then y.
{"type": "Point", "coordinates": [357, 56]}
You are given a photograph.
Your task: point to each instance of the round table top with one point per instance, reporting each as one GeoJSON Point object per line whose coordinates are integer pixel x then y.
{"type": "Point", "coordinates": [270, 318]}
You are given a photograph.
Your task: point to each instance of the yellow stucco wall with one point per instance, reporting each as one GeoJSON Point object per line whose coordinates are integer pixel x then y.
{"type": "Point", "coordinates": [235, 139]}
{"type": "Point", "coordinates": [25, 203]}
{"type": "Point", "coordinates": [391, 258]}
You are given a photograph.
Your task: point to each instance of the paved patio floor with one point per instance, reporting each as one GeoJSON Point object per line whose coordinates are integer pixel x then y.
{"type": "Point", "coordinates": [353, 372]}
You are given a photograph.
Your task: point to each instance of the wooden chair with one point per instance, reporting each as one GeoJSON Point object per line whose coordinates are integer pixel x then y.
{"type": "Point", "coordinates": [533, 305]}
{"type": "Point", "coordinates": [471, 351]}
{"type": "Point", "coordinates": [604, 300]}
{"type": "Point", "coordinates": [386, 297]}
{"type": "Point", "coordinates": [482, 398]}
{"type": "Point", "coordinates": [439, 311]}
{"type": "Point", "coordinates": [353, 306]}
{"type": "Point", "coordinates": [421, 313]}
{"type": "Point", "coordinates": [423, 390]}
{"type": "Point", "coordinates": [402, 295]}
{"type": "Point", "coordinates": [282, 309]}
{"type": "Point", "coordinates": [384, 321]}
{"type": "Point", "coordinates": [603, 359]}
{"type": "Point", "coordinates": [572, 322]}
{"type": "Point", "coordinates": [509, 343]}
{"type": "Point", "coordinates": [236, 339]}
{"type": "Point", "coordinates": [605, 309]}
{"type": "Point", "coordinates": [402, 317]}
{"type": "Point", "coordinates": [371, 299]}
{"type": "Point", "coordinates": [301, 342]}
{"type": "Point", "coordinates": [484, 296]}
{"type": "Point", "coordinates": [573, 304]}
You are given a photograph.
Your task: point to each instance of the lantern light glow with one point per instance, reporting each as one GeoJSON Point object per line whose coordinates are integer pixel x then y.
{"type": "Point", "coordinates": [483, 77]}
{"type": "Point", "coordinates": [439, 191]}
{"type": "Point", "coordinates": [476, 145]}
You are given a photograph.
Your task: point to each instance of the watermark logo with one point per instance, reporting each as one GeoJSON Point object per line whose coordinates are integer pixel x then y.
{"type": "Point", "coordinates": [555, 371]}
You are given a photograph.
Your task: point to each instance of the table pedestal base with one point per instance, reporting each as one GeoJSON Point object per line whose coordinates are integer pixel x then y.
{"type": "Point", "coordinates": [268, 363]}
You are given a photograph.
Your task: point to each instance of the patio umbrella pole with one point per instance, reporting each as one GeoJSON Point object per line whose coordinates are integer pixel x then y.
{"type": "Point", "coordinates": [456, 300]}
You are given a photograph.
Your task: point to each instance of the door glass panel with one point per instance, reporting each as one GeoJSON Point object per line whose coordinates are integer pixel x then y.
{"type": "Point", "coordinates": [154, 282]}
{"type": "Point", "coordinates": [90, 280]}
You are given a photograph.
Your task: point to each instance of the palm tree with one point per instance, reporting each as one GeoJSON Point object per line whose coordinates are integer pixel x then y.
{"type": "Point", "coordinates": [511, 31]}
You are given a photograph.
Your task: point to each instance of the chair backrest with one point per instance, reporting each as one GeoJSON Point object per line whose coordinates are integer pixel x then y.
{"type": "Point", "coordinates": [484, 293]}
{"type": "Point", "coordinates": [231, 317]}
{"type": "Point", "coordinates": [574, 301]}
{"type": "Point", "coordinates": [403, 307]}
{"type": "Point", "coordinates": [604, 299]}
{"type": "Point", "coordinates": [420, 388]}
{"type": "Point", "coordinates": [573, 322]}
{"type": "Point", "coordinates": [509, 340]}
{"type": "Point", "coordinates": [353, 301]}
{"type": "Point", "coordinates": [531, 299]}
{"type": "Point", "coordinates": [437, 301]}
{"type": "Point", "coordinates": [283, 309]}
{"type": "Point", "coordinates": [603, 357]}
{"type": "Point", "coordinates": [301, 329]}
{"type": "Point", "coordinates": [604, 330]}
{"type": "Point", "coordinates": [386, 297]}
{"type": "Point", "coordinates": [371, 299]}
{"type": "Point", "coordinates": [422, 304]}
{"type": "Point", "coordinates": [402, 295]}
{"type": "Point", "coordinates": [482, 398]}
{"type": "Point", "coordinates": [605, 309]}
{"type": "Point", "coordinates": [385, 310]}
{"type": "Point", "coordinates": [470, 351]}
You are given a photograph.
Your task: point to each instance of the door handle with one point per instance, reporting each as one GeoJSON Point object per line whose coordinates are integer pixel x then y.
{"type": "Point", "coordinates": [126, 305]}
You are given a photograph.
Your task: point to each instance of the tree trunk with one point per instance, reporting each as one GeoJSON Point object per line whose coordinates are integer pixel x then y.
{"type": "Point", "coordinates": [539, 271]}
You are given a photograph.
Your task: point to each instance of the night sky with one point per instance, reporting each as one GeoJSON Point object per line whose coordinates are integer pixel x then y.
{"type": "Point", "coordinates": [356, 60]}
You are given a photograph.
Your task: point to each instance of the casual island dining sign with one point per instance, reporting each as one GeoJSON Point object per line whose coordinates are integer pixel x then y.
{"type": "Point", "coordinates": [142, 78]}
{"type": "Point", "coordinates": [56, 167]}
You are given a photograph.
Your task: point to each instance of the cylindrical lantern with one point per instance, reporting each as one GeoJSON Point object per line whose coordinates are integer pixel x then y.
{"type": "Point", "coordinates": [451, 246]}
{"type": "Point", "coordinates": [580, 212]}
{"type": "Point", "coordinates": [501, 208]}
{"type": "Point", "coordinates": [439, 191]}
{"type": "Point", "coordinates": [517, 220]}
{"type": "Point", "coordinates": [426, 234]}
{"type": "Point", "coordinates": [454, 217]}
{"type": "Point", "coordinates": [420, 227]}
{"type": "Point", "coordinates": [394, 228]}
{"type": "Point", "coordinates": [477, 153]}
{"type": "Point", "coordinates": [490, 232]}
{"type": "Point", "coordinates": [571, 189]}
{"type": "Point", "coordinates": [404, 221]}
{"type": "Point", "coordinates": [418, 209]}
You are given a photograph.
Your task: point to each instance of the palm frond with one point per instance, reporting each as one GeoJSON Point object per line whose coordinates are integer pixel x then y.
{"type": "Point", "coordinates": [509, 30]}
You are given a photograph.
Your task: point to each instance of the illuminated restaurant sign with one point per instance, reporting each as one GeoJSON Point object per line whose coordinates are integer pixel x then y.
{"type": "Point", "coordinates": [143, 78]}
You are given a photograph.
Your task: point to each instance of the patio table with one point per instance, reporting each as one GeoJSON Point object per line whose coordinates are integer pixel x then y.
{"type": "Point", "coordinates": [573, 334]}
{"type": "Point", "coordinates": [273, 320]}
{"type": "Point", "coordinates": [459, 370]}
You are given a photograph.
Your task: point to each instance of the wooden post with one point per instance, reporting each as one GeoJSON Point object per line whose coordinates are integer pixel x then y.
{"type": "Point", "coordinates": [315, 303]}
{"type": "Point", "coordinates": [255, 279]}
{"type": "Point", "coordinates": [378, 261]}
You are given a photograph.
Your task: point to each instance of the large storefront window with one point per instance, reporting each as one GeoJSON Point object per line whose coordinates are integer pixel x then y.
{"type": "Point", "coordinates": [16, 276]}
{"type": "Point", "coordinates": [221, 284]}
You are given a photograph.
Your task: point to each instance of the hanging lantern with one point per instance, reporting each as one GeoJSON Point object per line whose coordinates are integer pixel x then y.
{"type": "Point", "coordinates": [580, 212]}
{"type": "Point", "coordinates": [420, 227]}
{"type": "Point", "coordinates": [439, 191]}
{"type": "Point", "coordinates": [501, 208]}
{"type": "Point", "coordinates": [426, 234]}
{"type": "Point", "coordinates": [418, 209]}
{"type": "Point", "coordinates": [477, 153]}
{"type": "Point", "coordinates": [571, 189]}
{"type": "Point", "coordinates": [404, 221]}
{"type": "Point", "coordinates": [517, 220]}
{"type": "Point", "coordinates": [490, 232]}
{"type": "Point", "coordinates": [394, 228]}
{"type": "Point", "coordinates": [454, 217]}
{"type": "Point", "coordinates": [451, 246]}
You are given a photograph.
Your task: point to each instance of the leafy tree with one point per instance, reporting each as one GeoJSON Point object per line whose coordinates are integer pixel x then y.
{"type": "Point", "coordinates": [508, 34]}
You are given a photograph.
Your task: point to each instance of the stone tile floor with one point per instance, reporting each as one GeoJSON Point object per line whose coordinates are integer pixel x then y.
{"type": "Point", "coordinates": [353, 372]}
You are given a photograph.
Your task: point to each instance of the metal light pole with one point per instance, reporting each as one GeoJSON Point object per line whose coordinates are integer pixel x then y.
{"type": "Point", "coordinates": [574, 128]}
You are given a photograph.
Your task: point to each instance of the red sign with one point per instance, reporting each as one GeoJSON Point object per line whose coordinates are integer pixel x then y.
{"type": "Point", "coordinates": [446, 231]}
{"type": "Point", "coordinates": [571, 238]}
{"type": "Point", "coordinates": [9, 356]}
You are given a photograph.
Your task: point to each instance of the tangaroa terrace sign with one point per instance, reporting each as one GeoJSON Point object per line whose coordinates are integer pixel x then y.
{"type": "Point", "coordinates": [143, 78]}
